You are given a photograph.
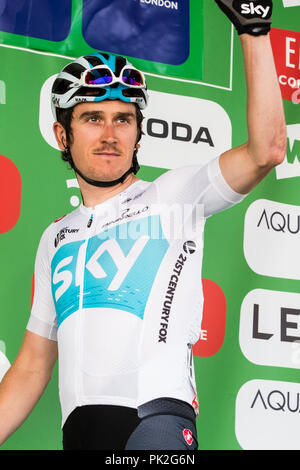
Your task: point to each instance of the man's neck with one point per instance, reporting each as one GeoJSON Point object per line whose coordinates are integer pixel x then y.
{"type": "Point", "coordinates": [93, 195]}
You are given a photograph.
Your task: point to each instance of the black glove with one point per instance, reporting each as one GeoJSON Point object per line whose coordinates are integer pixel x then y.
{"type": "Point", "coordinates": [251, 17]}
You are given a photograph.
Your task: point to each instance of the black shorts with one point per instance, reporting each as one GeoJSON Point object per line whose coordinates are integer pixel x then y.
{"type": "Point", "coordinates": [99, 427]}
{"type": "Point", "coordinates": [163, 424]}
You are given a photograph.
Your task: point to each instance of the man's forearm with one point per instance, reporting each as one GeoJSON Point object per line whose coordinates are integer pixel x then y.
{"type": "Point", "coordinates": [265, 113]}
{"type": "Point", "coordinates": [20, 390]}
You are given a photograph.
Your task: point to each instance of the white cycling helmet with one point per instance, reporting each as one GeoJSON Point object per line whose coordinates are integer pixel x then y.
{"type": "Point", "coordinates": [98, 77]}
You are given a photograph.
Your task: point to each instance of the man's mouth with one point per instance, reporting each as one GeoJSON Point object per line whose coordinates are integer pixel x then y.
{"type": "Point", "coordinates": [107, 154]}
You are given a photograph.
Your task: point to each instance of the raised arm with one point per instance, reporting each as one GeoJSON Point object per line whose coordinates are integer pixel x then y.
{"type": "Point", "coordinates": [245, 166]}
{"type": "Point", "coordinates": [25, 382]}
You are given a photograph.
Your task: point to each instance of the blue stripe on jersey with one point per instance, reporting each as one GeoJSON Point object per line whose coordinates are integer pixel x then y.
{"type": "Point", "coordinates": [119, 269]}
{"type": "Point", "coordinates": [65, 292]}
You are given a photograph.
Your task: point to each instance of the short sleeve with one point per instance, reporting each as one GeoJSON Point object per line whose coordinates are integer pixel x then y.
{"type": "Point", "coordinates": [42, 319]}
{"type": "Point", "coordinates": [201, 185]}
{"type": "Point", "coordinates": [219, 195]}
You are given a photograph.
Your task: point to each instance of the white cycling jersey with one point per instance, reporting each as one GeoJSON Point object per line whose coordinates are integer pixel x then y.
{"type": "Point", "coordinates": [119, 287]}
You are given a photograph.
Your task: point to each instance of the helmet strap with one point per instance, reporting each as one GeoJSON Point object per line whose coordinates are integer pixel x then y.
{"type": "Point", "coordinates": [103, 184]}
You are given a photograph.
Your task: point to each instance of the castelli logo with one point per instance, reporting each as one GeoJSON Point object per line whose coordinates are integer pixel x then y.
{"type": "Point", "coordinates": [187, 434]}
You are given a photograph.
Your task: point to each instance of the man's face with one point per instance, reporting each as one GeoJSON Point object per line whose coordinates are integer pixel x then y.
{"type": "Point", "coordinates": [104, 138]}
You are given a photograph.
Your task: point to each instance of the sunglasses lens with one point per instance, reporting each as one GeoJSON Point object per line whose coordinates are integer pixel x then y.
{"type": "Point", "coordinates": [98, 77]}
{"type": "Point", "coordinates": [132, 77]}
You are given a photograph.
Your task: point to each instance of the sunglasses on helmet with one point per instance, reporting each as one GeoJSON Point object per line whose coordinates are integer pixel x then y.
{"type": "Point", "coordinates": [102, 75]}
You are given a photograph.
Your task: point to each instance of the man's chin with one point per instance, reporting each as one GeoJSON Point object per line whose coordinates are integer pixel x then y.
{"type": "Point", "coordinates": [105, 176]}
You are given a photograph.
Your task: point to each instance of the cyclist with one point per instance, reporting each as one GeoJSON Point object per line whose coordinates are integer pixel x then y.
{"type": "Point", "coordinates": [117, 286]}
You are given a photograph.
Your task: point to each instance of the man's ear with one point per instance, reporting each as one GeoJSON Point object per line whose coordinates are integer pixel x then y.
{"type": "Point", "coordinates": [140, 134]}
{"type": "Point", "coordinates": [60, 135]}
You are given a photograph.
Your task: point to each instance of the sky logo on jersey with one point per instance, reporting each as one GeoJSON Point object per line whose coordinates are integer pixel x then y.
{"type": "Point", "coordinates": [65, 282]}
{"type": "Point", "coordinates": [118, 271]}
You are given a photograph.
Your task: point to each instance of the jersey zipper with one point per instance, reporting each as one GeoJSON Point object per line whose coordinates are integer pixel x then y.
{"type": "Point", "coordinates": [90, 221]}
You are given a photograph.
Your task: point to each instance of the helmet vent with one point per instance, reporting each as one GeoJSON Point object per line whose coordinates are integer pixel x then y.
{"type": "Point", "coordinates": [60, 86]}
{"type": "Point", "coordinates": [86, 91]}
{"type": "Point", "coordinates": [133, 93]}
{"type": "Point", "coordinates": [93, 60]}
{"type": "Point", "coordinates": [120, 63]}
{"type": "Point", "coordinates": [74, 69]}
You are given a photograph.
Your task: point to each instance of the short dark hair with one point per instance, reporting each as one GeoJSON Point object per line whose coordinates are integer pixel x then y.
{"type": "Point", "coordinates": [64, 117]}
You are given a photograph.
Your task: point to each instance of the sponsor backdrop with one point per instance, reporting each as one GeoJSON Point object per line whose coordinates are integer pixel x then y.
{"type": "Point", "coordinates": [247, 359]}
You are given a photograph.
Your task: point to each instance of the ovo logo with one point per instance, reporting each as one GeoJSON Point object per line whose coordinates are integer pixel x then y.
{"type": "Point", "coordinates": [10, 194]}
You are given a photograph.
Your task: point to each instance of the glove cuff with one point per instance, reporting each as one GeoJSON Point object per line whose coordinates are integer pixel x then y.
{"type": "Point", "coordinates": [255, 29]}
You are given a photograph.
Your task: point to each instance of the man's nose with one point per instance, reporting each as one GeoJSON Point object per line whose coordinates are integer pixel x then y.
{"type": "Point", "coordinates": [109, 134]}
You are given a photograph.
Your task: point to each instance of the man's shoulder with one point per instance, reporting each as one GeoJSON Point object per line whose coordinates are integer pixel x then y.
{"type": "Point", "coordinates": [181, 173]}
{"type": "Point", "coordinates": [60, 218]}
{"type": "Point", "coordinates": [66, 218]}
{"type": "Point", "coordinates": [58, 224]}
